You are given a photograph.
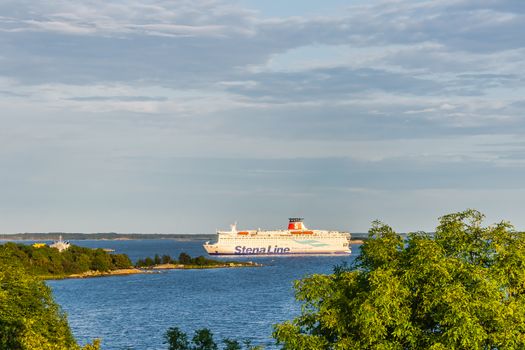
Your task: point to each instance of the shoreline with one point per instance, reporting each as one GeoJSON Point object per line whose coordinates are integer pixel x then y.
{"type": "Point", "coordinates": [149, 270]}
{"type": "Point", "coordinates": [102, 237]}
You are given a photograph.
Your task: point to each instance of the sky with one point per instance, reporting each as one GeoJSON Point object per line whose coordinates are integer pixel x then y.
{"type": "Point", "coordinates": [162, 116]}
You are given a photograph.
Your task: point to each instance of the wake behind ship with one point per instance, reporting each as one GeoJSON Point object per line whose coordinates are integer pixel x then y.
{"type": "Point", "coordinates": [297, 239]}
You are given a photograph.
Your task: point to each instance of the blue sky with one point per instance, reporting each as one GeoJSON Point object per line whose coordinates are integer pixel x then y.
{"type": "Point", "coordinates": [183, 116]}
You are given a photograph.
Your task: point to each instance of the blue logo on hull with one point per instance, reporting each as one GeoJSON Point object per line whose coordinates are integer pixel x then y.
{"type": "Point", "coordinates": [263, 250]}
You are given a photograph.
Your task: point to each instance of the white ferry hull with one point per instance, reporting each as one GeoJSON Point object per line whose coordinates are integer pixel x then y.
{"type": "Point", "coordinates": [285, 244]}
{"type": "Point", "coordinates": [243, 250]}
{"type": "Point", "coordinates": [303, 252]}
{"type": "Point", "coordinates": [297, 239]}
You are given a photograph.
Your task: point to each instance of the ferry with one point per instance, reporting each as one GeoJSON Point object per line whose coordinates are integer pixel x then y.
{"type": "Point", "coordinates": [297, 239]}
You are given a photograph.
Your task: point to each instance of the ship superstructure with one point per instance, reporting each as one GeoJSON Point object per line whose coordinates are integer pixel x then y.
{"type": "Point", "coordinates": [60, 244]}
{"type": "Point", "coordinates": [297, 239]}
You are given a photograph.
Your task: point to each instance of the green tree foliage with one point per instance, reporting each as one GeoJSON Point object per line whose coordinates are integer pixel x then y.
{"type": "Point", "coordinates": [29, 318]}
{"type": "Point", "coordinates": [149, 261]}
{"type": "Point", "coordinates": [176, 339]}
{"type": "Point", "coordinates": [120, 261]}
{"type": "Point", "coordinates": [101, 261]}
{"type": "Point", "coordinates": [460, 288]}
{"type": "Point", "coordinates": [47, 261]}
{"type": "Point", "coordinates": [232, 344]}
{"type": "Point", "coordinates": [202, 340]}
{"type": "Point", "coordinates": [184, 259]}
{"type": "Point", "coordinates": [94, 346]}
{"type": "Point", "coordinates": [200, 260]}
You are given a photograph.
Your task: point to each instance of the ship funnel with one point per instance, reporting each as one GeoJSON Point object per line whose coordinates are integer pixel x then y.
{"type": "Point", "coordinates": [296, 224]}
{"type": "Point", "coordinates": [233, 227]}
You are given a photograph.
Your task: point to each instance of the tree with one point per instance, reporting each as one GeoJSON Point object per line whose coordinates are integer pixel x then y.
{"type": "Point", "coordinates": [94, 346]}
{"type": "Point", "coordinates": [200, 260]}
{"type": "Point", "coordinates": [29, 317]}
{"type": "Point", "coordinates": [185, 259]}
{"type": "Point", "coordinates": [203, 340]}
{"type": "Point", "coordinates": [101, 261]}
{"type": "Point", "coordinates": [120, 261]}
{"type": "Point", "coordinates": [232, 344]}
{"type": "Point", "coordinates": [176, 339]}
{"type": "Point", "coordinates": [82, 262]}
{"type": "Point", "coordinates": [166, 259]}
{"type": "Point", "coordinates": [460, 288]}
{"type": "Point", "coordinates": [149, 261]}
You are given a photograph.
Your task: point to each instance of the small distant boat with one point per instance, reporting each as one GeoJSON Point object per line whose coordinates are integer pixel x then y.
{"type": "Point", "coordinates": [60, 244]}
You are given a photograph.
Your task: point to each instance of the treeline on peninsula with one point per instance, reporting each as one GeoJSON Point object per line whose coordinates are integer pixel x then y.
{"type": "Point", "coordinates": [47, 261]}
{"type": "Point", "coordinates": [184, 259]}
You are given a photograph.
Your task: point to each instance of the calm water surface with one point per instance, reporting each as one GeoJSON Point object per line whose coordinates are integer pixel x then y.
{"type": "Point", "coordinates": [133, 312]}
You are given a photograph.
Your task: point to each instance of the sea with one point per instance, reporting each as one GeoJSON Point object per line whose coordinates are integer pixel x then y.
{"type": "Point", "coordinates": [135, 311]}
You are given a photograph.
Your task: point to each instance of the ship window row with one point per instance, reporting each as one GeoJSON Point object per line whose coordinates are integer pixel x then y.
{"type": "Point", "coordinates": [276, 237]}
{"type": "Point", "coordinates": [251, 239]}
{"type": "Point", "coordinates": [269, 239]}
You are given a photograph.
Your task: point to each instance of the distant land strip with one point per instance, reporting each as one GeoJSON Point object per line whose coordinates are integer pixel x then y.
{"type": "Point", "coordinates": [53, 236]}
